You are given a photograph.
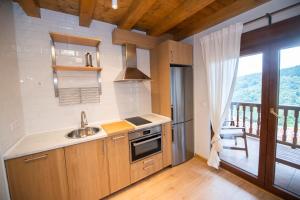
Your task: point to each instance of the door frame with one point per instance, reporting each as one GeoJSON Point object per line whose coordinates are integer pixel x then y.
{"type": "Point", "coordinates": [267, 40]}
{"type": "Point", "coordinates": [259, 179]}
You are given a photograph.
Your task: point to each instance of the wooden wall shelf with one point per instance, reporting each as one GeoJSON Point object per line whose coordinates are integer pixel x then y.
{"type": "Point", "coordinates": [71, 39]}
{"type": "Point", "coordinates": [74, 68]}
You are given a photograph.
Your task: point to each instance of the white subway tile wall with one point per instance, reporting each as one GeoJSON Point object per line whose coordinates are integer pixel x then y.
{"type": "Point", "coordinates": [42, 111]}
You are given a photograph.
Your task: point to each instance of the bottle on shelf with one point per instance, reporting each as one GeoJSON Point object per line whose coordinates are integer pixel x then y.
{"type": "Point", "coordinates": [88, 60]}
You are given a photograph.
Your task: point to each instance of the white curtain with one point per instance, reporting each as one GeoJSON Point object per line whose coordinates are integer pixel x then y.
{"type": "Point", "coordinates": [220, 54]}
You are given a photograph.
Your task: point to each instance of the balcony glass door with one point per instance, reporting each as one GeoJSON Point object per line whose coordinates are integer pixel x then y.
{"type": "Point", "coordinates": [262, 132]}
{"type": "Point", "coordinates": [284, 122]}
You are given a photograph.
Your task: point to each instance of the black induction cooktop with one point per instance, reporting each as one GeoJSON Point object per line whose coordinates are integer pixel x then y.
{"type": "Point", "coordinates": [138, 121]}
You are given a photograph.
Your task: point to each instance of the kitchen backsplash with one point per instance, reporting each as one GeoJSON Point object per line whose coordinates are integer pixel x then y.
{"type": "Point", "coordinates": [42, 111]}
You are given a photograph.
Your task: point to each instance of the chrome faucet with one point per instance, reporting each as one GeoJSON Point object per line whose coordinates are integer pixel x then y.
{"type": "Point", "coordinates": [84, 121]}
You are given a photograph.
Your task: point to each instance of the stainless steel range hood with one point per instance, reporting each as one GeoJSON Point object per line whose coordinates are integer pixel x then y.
{"type": "Point", "coordinates": [130, 71]}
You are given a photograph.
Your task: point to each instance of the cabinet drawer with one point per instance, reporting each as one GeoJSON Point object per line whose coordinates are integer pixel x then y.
{"type": "Point", "coordinates": [146, 167]}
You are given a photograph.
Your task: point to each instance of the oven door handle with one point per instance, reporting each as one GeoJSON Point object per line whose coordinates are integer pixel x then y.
{"type": "Point", "coordinates": [145, 136]}
{"type": "Point", "coordinates": [140, 143]}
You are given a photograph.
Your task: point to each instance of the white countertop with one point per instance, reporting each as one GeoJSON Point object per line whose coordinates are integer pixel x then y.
{"type": "Point", "coordinates": [36, 143]}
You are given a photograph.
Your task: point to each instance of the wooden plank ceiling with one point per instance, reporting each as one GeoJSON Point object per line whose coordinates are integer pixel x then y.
{"type": "Point", "coordinates": [180, 18]}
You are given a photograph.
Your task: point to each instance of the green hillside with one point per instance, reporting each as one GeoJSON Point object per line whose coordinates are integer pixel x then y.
{"type": "Point", "coordinates": [248, 87]}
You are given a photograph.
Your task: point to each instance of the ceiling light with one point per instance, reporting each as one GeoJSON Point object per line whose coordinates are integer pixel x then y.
{"type": "Point", "coordinates": [114, 4]}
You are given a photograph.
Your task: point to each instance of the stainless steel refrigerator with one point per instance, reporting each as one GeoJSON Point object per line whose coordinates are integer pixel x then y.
{"type": "Point", "coordinates": [182, 113]}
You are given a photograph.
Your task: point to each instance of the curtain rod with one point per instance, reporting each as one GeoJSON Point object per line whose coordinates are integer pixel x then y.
{"type": "Point", "coordinates": [269, 15]}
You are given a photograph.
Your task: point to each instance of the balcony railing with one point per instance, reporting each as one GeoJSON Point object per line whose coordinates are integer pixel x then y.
{"type": "Point", "coordinates": [249, 115]}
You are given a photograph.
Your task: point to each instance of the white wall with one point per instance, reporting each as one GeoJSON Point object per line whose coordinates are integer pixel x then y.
{"type": "Point", "coordinates": [42, 111]}
{"type": "Point", "coordinates": [202, 124]}
{"type": "Point", "coordinates": [11, 117]}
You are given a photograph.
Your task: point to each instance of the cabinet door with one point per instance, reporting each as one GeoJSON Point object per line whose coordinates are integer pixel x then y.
{"type": "Point", "coordinates": [167, 145]}
{"type": "Point", "coordinates": [174, 53]}
{"type": "Point", "coordinates": [38, 176]}
{"type": "Point", "coordinates": [87, 170]}
{"type": "Point", "coordinates": [180, 53]}
{"type": "Point", "coordinates": [118, 159]}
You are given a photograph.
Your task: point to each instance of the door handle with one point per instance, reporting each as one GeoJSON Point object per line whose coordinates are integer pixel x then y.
{"type": "Point", "coordinates": [148, 167]}
{"type": "Point", "coordinates": [27, 160]}
{"type": "Point", "coordinates": [272, 111]}
{"type": "Point", "coordinates": [150, 161]}
{"type": "Point", "coordinates": [144, 142]}
{"type": "Point", "coordinates": [118, 138]}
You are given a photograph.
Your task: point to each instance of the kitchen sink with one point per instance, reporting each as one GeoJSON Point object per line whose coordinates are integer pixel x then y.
{"type": "Point", "coordinates": [83, 132]}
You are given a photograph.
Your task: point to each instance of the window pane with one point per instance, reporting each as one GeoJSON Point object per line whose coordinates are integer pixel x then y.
{"type": "Point", "coordinates": [245, 113]}
{"type": "Point", "coordinates": [287, 167]}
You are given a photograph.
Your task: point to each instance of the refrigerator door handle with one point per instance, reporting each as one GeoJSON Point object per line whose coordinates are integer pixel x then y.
{"type": "Point", "coordinates": [172, 112]}
{"type": "Point", "coordinates": [172, 134]}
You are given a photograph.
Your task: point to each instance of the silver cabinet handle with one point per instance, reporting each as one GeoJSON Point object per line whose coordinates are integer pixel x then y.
{"type": "Point", "coordinates": [119, 137]}
{"type": "Point", "coordinates": [140, 143]}
{"type": "Point", "coordinates": [171, 52]}
{"type": "Point", "coordinates": [27, 160]}
{"type": "Point", "coordinates": [148, 167]}
{"type": "Point", "coordinates": [104, 147]}
{"type": "Point", "coordinates": [272, 111]}
{"type": "Point", "coordinates": [148, 161]}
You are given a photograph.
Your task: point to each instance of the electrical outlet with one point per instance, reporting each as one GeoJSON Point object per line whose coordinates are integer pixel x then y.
{"type": "Point", "coordinates": [67, 52]}
{"type": "Point", "coordinates": [78, 60]}
{"type": "Point", "coordinates": [14, 125]}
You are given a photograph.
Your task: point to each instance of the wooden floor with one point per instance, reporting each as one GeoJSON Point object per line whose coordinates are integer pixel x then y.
{"type": "Point", "coordinates": [193, 180]}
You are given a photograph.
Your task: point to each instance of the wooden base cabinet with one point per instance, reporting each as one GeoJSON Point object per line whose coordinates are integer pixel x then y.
{"type": "Point", "coordinates": [118, 159]}
{"type": "Point", "coordinates": [167, 144]}
{"type": "Point", "coordinates": [38, 176]}
{"type": "Point", "coordinates": [87, 170]}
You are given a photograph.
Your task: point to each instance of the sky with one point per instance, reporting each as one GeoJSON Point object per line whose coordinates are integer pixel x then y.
{"type": "Point", "coordinates": [289, 57]}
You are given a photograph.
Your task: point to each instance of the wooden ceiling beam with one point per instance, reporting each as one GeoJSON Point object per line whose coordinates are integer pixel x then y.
{"type": "Point", "coordinates": [234, 9]}
{"type": "Point", "coordinates": [135, 12]}
{"type": "Point", "coordinates": [30, 8]}
{"type": "Point", "coordinates": [86, 12]}
{"type": "Point", "coordinates": [179, 14]}
{"type": "Point", "coordinates": [121, 36]}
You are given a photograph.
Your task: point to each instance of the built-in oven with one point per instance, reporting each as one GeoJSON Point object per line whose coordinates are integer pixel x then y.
{"type": "Point", "coordinates": [144, 143]}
